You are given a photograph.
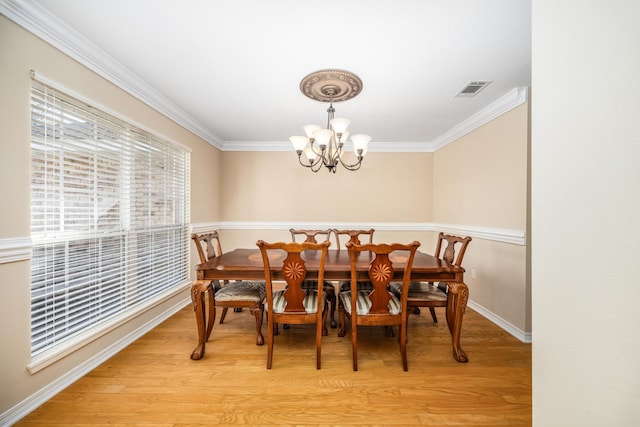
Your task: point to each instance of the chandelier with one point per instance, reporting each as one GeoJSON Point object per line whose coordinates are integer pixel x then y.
{"type": "Point", "coordinates": [324, 146]}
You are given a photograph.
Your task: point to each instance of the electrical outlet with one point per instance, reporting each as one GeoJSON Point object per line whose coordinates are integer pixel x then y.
{"type": "Point", "coordinates": [473, 273]}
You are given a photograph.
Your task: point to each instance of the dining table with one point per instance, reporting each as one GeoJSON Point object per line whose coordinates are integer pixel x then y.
{"type": "Point", "coordinates": [247, 264]}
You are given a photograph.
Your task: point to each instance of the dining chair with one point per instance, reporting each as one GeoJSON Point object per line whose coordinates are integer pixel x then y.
{"type": "Point", "coordinates": [329, 290]}
{"type": "Point", "coordinates": [378, 307]}
{"type": "Point", "coordinates": [352, 236]}
{"type": "Point", "coordinates": [292, 304]}
{"type": "Point", "coordinates": [430, 294]}
{"type": "Point", "coordinates": [228, 294]}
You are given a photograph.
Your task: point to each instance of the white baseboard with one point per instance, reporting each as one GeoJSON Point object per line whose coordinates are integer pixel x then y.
{"type": "Point", "coordinates": [513, 330]}
{"type": "Point", "coordinates": [32, 402]}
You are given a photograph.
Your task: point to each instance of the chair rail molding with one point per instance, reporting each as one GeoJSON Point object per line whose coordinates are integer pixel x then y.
{"type": "Point", "coordinates": [15, 249]}
{"type": "Point", "coordinates": [515, 237]}
{"type": "Point", "coordinates": [205, 227]}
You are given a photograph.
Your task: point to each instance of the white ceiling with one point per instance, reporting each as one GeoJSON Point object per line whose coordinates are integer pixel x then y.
{"type": "Point", "coordinates": [234, 67]}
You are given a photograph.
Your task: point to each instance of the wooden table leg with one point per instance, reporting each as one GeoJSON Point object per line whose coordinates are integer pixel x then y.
{"type": "Point", "coordinates": [198, 293]}
{"type": "Point", "coordinates": [456, 306]}
{"type": "Point", "coordinates": [258, 314]}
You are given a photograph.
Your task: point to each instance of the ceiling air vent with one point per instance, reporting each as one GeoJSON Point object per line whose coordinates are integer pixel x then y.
{"type": "Point", "coordinates": [472, 88]}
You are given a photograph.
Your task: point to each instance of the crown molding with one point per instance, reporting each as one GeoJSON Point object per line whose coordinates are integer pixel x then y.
{"type": "Point", "coordinates": [400, 147]}
{"type": "Point", "coordinates": [376, 146]}
{"type": "Point", "coordinates": [515, 97]}
{"type": "Point", "coordinates": [39, 21]}
{"type": "Point", "coordinates": [42, 23]}
{"type": "Point", "coordinates": [506, 103]}
{"type": "Point", "coordinates": [257, 146]}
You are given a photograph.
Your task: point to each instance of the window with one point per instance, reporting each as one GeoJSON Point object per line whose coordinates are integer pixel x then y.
{"type": "Point", "coordinates": [109, 220]}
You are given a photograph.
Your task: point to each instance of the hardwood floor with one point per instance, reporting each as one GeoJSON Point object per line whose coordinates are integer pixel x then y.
{"type": "Point", "coordinates": [154, 383]}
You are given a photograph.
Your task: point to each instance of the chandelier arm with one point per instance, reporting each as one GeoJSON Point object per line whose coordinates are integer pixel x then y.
{"type": "Point", "coordinates": [307, 165]}
{"type": "Point", "coordinates": [317, 165]}
{"type": "Point", "coordinates": [354, 166]}
{"type": "Point", "coordinates": [303, 164]}
{"type": "Point", "coordinates": [335, 156]}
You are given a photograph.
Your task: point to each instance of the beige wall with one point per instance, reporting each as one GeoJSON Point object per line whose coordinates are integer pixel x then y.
{"type": "Point", "coordinates": [272, 186]}
{"type": "Point", "coordinates": [21, 52]}
{"type": "Point", "coordinates": [480, 180]}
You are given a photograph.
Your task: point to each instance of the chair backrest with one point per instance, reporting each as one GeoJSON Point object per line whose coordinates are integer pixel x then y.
{"type": "Point", "coordinates": [208, 245]}
{"type": "Point", "coordinates": [354, 236]}
{"type": "Point", "coordinates": [381, 272]}
{"type": "Point", "coordinates": [454, 244]}
{"type": "Point", "coordinates": [313, 235]}
{"type": "Point", "coordinates": [294, 271]}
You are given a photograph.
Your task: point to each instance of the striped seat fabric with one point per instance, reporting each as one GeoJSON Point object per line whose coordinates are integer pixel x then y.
{"type": "Point", "coordinates": [310, 301]}
{"type": "Point", "coordinates": [363, 303]}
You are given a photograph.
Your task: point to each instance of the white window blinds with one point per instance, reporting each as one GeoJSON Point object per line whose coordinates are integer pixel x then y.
{"type": "Point", "coordinates": [109, 218]}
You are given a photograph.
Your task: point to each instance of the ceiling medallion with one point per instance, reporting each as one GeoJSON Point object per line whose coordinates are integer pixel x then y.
{"type": "Point", "coordinates": [323, 146]}
{"type": "Point", "coordinates": [331, 85]}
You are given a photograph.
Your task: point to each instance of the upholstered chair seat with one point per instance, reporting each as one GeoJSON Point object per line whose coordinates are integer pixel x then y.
{"type": "Point", "coordinates": [363, 302]}
{"type": "Point", "coordinates": [242, 291]}
{"type": "Point", "coordinates": [310, 301]}
{"type": "Point", "coordinates": [209, 295]}
{"type": "Point", "coordinates": [422, 291]}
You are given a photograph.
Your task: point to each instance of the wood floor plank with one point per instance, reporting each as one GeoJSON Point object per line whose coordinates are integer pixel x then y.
{"type": "Point", "coordinates": [154, 383]}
